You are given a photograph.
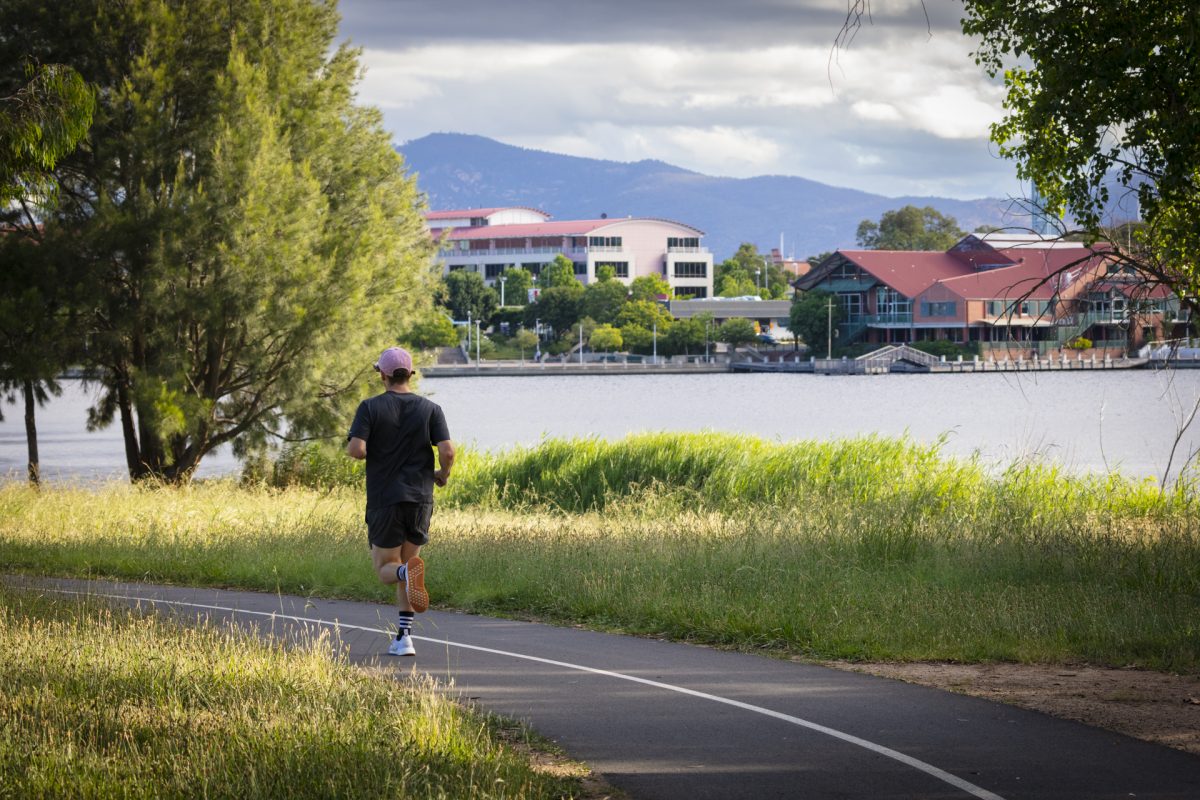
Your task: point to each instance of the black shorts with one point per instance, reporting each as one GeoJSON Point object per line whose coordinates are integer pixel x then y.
{"type": "Point", "coordinates": [392, 526]}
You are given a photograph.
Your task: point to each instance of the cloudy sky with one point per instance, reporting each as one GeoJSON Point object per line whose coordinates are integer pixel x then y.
{"type": "Point", "coordinates": [724, 87]}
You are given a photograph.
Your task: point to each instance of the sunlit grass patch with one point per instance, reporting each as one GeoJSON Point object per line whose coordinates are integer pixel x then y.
{"type": "Point", "coordinates": [867, 548]}
{"type": "Point", "coordinates": [100, 702]}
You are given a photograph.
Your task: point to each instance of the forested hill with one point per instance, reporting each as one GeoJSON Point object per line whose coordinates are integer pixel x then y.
{"type": "Point", "coordinates": [462, 171]}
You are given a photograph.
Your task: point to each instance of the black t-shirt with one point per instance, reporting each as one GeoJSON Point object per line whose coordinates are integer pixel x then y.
{"type": "Point", "coordinates": [399, 430]}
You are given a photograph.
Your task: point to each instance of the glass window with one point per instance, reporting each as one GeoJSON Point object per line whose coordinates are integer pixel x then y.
{"type": "Point", "coordinates": [691, 269]}
{"type": "Point", "coordinates": [621, 268]}
{"type": "Point", "coordinates": [493, 270]}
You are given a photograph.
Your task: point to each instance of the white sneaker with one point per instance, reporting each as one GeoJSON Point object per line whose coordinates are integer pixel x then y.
{"type": "Point", "coordinates": [402, 647]}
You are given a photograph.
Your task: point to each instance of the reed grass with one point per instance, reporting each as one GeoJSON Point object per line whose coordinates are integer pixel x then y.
{"type": "Point", "coordinates": [103, 702]}
{"type": "Point", "coordinates": [862, 549]}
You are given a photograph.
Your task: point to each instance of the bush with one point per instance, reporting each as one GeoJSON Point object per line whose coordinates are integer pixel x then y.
{"type": "Point", "coordinates": [941, 347]}
{"type": "Point", "coordinates": [1080, 343]}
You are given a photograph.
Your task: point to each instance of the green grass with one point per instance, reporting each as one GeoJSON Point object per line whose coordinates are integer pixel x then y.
{"type": "Point", "coordinates": [102, 702]}
{"type": "Point", "coordinates": [861, 549]}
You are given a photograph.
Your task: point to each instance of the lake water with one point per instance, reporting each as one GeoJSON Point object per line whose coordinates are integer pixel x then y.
{"type": "Point", "coordinates": [1086, 421]}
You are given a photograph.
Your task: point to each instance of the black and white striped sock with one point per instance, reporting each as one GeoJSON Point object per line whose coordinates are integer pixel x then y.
{"type": "Point", "coordinates": [404, 625]}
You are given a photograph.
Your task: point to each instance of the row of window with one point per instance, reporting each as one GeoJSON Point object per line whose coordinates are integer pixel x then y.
{"type": "Point", "coordinates": [604, 241]}
{"type": "Point", "coordinates": [676, 241]}
{"type": "Point", "coordinates": [1024, 308]}
{"type": "Point", "coordinates": [691, 269]}
{"type": "Point", "coordinates": [620, 268]}
{"type": "Point", "coordinates": [944, 309]}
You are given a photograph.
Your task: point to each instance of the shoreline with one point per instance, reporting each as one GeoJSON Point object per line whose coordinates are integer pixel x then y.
{"type": "Point", "coordinates": [811, 366]}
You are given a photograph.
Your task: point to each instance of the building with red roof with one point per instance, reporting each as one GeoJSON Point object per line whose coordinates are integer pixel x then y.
{"type": "Point", "coordinates": [1012, 294]}
{"type": "Point", "coordinates": [491, 240]}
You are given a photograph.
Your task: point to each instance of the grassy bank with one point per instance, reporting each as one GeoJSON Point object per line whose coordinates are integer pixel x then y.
{"type": "Point", "coordinates": [99, 702]}
{"type": "Point", "coordinates": [865, 549]}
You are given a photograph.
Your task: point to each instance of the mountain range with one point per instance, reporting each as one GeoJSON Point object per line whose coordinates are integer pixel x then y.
{"type": "Point", "coordinates": [465, 171]}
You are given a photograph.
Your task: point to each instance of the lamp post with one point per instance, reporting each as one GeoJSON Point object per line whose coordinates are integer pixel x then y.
{"type": "Point", "coordinates": [502, 291]}
{"type": "Point", "coordinates": [829, 330]}
{"type": "Point", "coordinates": [468, 335]}
{"type": "Point", "coordinates": [477, 338]}
{"type": "Point", "coordinates": [655, 361]}
{"type": "Point", "coordinates": [537, 347]}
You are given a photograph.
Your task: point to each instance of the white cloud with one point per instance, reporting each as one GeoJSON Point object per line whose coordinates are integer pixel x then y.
{"type": "Point", "coordinates": [717, 109]}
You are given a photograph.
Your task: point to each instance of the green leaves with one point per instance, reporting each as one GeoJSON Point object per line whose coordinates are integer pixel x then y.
{"type": "Point", "coordinates": [248, 235]}
{"type": "Point", "coordinates": [1101, 100]}
{"type": "Point", "coordinates": [910, 228]}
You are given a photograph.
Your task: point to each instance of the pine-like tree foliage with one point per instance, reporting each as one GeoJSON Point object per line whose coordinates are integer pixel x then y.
{"type": "Point", "coordinates": [245, 232]}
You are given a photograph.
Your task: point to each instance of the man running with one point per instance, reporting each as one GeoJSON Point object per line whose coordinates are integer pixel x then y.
{"type": "Point", "coordinates": [394, 432]}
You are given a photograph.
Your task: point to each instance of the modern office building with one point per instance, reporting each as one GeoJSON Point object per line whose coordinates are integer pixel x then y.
{"type": "Point", "coordinates": [490, 240]}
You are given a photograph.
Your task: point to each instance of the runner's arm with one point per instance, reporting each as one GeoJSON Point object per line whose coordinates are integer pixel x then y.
{"type": "Point", "coordinates": [356, 448]}
{"type": "Point", "coordinates": [445, 462]}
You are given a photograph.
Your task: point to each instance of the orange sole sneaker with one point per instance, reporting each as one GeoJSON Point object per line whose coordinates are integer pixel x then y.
{"type": "Point", "coordinates": [415, 587]}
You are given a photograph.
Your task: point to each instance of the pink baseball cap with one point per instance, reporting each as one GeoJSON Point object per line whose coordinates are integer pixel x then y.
{"type": "Point", "coordinates": [392, 359]}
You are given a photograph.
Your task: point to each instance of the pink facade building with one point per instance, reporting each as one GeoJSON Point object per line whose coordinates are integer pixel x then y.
{"type": "Point", "coordinates": [998, 293]}
{"type": "Point", "coordinates": [491, 240]}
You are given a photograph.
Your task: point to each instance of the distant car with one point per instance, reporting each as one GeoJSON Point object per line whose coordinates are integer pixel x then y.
{"type": "Point", "coordinates": [766, 338]}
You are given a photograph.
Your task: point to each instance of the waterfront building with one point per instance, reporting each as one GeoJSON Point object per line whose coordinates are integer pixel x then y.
{"type": "Point", "coordinates": [1006, 293]}
{"type": "Point", "coordinates": [490, 240]}
{"type": "Point", "coordinates": [771, 316]}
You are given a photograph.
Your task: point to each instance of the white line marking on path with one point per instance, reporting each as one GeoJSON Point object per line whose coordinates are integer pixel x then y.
{"type": "Point", "coordinates": [888, 752]}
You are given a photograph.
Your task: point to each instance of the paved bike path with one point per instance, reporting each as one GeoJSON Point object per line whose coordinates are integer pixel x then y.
{"type": "Point", "coordinates": [679, 722]}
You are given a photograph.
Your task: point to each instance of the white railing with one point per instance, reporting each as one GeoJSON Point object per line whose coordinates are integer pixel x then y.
{"type": "Point", "coordinates": [687, 249]}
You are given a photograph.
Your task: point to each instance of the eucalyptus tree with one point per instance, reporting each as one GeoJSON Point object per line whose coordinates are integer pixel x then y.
{"type": "Point", "coordinates": [247, 233]}
{"type": "Point", "coordinates": [45, 110]}
{"type": "Point", "coordinates": [1102, 98]}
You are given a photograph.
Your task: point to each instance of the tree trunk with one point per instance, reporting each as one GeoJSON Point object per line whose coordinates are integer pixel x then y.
{"type": "Point", "coordinates": [133, 458]}
{"type": "Point", "coordinates": [35, 476]}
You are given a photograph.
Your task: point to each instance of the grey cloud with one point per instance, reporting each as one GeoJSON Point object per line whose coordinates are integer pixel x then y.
{"type": "Point", "coordinates": [397, 24]}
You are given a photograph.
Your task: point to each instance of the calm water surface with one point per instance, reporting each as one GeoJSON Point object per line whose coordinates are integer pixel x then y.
{"type": "Point", "coordinates": [1086, 421]}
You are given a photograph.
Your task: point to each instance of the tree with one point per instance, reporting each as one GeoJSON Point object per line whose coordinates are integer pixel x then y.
{"type": "Point", "coordinates": [517, 283]}
{"type": "Point", "coordinates": [809, 318]}
{"type": "Point", "coordinates": [557, 307]}
{"type": "Point", "coordinates": [45, 111]}
{"type": "Point", "coordinates": [649, 287]}
{"type": "Point", "coordinates": [636, 338]}
{"type": "Point", "coordinates": [248, 233]}
{"type": "Point", "coordinates": [581, 331]}
{"type": "Point", "coordinates": [559, 272]}
{"type": "Point", "coordinates": [736, 331]}
{"type": "Point", "coordinates": [525, 339]}
{"type": "Point", "coordinates": [603, 301]}
{"type": "Point", "coordinates": [909, 228]}
{"type": "Point", "coordinates": [817, 259]}
{"type": "Point", "coordinates": [686, 335]}
{"type": "Point", "coordinates": [1104, 95]}
{"type": "Point", "coordinates": [606, 273]}
{"type": "Point", "coordinates": [606, 339]}
{"type": "Point", "coordinates": [37, 331]}
{"type": "Point", "coordinates": [42, 119]}
{"type": "Point", "coordinates": [749, 272]}
{"type": "Point", "coordinates": [647, 314]}
{"type": "Point", "coordinates": [434, 329]}
{"type": "Point", "coordinates": [467, 294]}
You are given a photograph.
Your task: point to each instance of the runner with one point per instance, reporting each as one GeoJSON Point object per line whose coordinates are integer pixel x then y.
{"type": "Point", "coordinates": [394, 432]}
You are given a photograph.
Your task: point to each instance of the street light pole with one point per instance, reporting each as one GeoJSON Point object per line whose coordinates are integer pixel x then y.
{"type": "Point", "coordinates": [655, 343]}
{"type": "Point", "coordinates": [537, 347]}
{"type": "Point", "coordinates": [477, 338]}
{"type": "Point", "coordinates": [468, 335]}
{"type": "Point", "coordinates": [829, 330]}
{"type": "Point", "coordinates": [502, 291]}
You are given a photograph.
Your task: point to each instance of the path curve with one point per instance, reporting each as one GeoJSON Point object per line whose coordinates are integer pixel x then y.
{"type": "Point", "coordinates": [679, 722]}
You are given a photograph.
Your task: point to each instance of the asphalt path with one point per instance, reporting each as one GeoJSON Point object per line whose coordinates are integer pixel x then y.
{"type": "Point", "coordinates": [670, 721]}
